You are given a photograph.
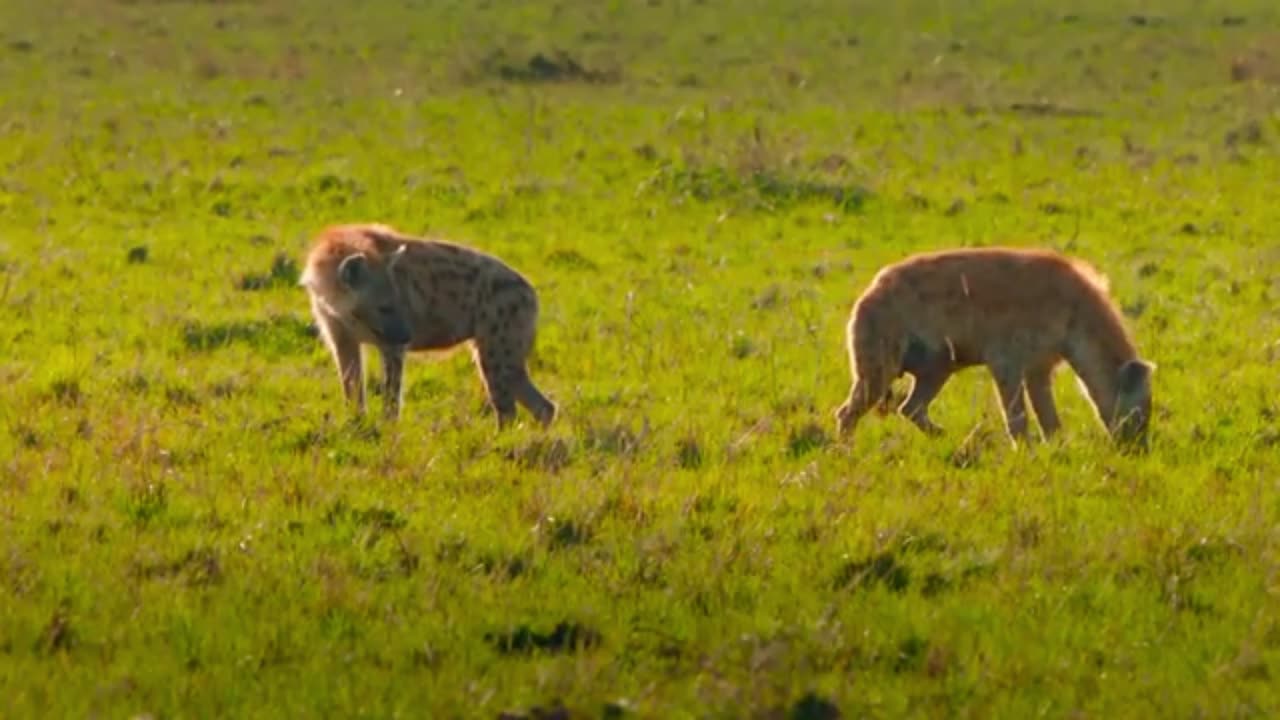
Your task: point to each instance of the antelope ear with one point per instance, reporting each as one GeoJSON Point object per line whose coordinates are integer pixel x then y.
{"type": "Point", "coordinates": [352, 270]}
{"type": "Point", "coordinates": [1135, 375]}
{"type": "Point", "coordinates": [395, 256]}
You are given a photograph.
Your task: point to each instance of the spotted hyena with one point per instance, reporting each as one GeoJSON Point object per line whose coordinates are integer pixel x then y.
{"type": "Point", "coordinates": [371, 284]}
{"type": "Point", "coordinates": [1018, 312]}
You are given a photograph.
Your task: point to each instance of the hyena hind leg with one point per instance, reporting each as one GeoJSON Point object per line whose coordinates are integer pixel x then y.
{"type": "Point", "coordinates": [501, 381]}
{"type": "Point", "coordinates": [543, 409]}
{"type": "Point", "coordinates": [502, 358]}
{"type": "Point", "coordinates": [509, 385]}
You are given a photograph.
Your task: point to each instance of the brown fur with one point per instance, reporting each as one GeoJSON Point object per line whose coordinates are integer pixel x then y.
{"type": "Point", "coordinates": [1020, 313]}
{"type": "Point", "coordinates": [370, 284]}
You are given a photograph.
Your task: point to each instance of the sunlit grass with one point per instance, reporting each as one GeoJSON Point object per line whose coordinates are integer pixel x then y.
{"type": "Point", "coordinates": [191, 524]}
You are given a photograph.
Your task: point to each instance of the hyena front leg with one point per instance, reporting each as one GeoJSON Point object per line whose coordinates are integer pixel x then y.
{"type": "Point", "coordinates": [346, 354]}
{"type": "Point", "coordinates": [930, 370]}
{"type": "Point", "coordinates": [928, 382]}
{"type": "Point", "coordinates": [1040, 391]}
{"type": "Point", "coordinates": [392, 379]}
{"type": "Point", "coordinates": [1011, 390]}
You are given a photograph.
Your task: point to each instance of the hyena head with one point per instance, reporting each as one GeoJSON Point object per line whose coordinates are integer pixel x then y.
{"type": "Point", "coordinates": [1132, 414]}
{"type": "Point", "coordinates": [373, 299]}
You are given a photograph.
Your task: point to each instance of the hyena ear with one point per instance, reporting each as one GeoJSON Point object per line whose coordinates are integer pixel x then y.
{"type": "Point", "coordinates": [395, 256]}
{"type": "Point", "coordinates": [1135, 375]}
{"type": "Point", "coordinates": [352, 270]}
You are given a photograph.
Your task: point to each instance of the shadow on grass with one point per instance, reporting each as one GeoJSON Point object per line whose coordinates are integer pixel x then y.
{"type": "Point", "coordinates": [276, 336]}
{"type": "Point", "coordinates": [556, 66]}
{"type": "Point", "coordinates": [564, 637]}
{"type": "Point", "coordinates": [283, 274]}
{"type": "Point", "coordinates": [765, 189]}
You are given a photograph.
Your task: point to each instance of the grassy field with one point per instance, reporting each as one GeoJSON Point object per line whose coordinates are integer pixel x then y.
{"type": "Point", "coordinates": [192, 526]}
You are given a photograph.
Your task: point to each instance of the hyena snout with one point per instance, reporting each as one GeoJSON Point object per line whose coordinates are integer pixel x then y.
{"type": "Point", "coordinates": [377, 303]}
{"type": "Point", "coordinates": [391, 326]}
{"type": "Point", "coordinates": [1132, 419]}
{"type": "Point", "coordinates": [1131, 428]}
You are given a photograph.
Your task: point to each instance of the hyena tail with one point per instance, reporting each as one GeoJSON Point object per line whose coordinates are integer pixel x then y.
{"type": "Point", "coordinates": [875, 359]}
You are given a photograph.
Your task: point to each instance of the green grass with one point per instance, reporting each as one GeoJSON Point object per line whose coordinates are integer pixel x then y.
{"type": "Point", "coordinates": [191, 525]}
